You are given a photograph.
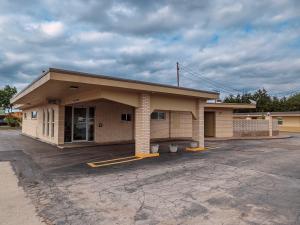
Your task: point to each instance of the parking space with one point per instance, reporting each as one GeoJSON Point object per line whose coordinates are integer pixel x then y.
{"type": "Point", "coordinates": [236, 182]}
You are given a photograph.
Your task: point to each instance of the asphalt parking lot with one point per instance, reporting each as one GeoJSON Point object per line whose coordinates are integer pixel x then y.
{"type": "Point", "coordinates": [240, 182]}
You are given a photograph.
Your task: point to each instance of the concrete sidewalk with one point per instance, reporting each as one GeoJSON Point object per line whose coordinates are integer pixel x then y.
{"type": "Point", "coordinates": [15, 207]}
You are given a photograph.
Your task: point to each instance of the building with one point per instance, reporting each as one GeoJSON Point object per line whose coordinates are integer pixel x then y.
{"type": "Point", "coordinates": [72, 107]}
{"type": "Point", "coordinates": [287, 121]}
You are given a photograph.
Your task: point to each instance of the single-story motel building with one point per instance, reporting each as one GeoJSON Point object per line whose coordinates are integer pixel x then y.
{"type": "Point", "coordinates": [64, 107]}
{"type": "Point", "coordinates": [287, 121]}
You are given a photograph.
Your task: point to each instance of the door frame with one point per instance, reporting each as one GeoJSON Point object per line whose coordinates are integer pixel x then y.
{"type": "Point", "coordinates": [87, 123]}
{"type": "Point", "coordinates": [213, 126]}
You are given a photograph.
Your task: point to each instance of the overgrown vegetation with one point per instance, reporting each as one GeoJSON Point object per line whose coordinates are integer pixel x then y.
{"type": "Point", "coordinates": [266, 102]}
{"type": "Point", "coordinates": [6, 94]}
{"type": "Point", "coordinates": [13, 121]}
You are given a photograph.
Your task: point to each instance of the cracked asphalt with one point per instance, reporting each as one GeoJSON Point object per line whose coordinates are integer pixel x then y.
{"type": "Point", "coordinates": [251, 182]}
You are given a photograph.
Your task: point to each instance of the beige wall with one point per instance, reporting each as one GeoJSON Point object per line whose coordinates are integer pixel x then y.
{"type": "Point", "coordinates": [176, 125]}
{"type": "Point", "coordinates": [113, 128]}
{"type": "Point", "coordinates": [290, 123]}
{"type": "Point", "coordinates": [160, 128]}
{"type": "Point", "coordinates": [224, 122]}
{"type": "Point", "coordinates": [34, 127]}
{"type": "Point", "coordinates": [181, 125]}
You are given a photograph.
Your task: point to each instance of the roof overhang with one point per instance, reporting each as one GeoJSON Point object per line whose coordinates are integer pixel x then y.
{"type": "Point", "coordinates": [277, 114]}
{"type": "Point", "coordinates": [56, 83]}
{"type": "Point", "coordinates": [230, 105]}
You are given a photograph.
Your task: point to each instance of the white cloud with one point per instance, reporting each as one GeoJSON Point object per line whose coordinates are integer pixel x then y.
{"type": "Point", "coordinates": [49, 29]}
{"type": "Point", "coordinates": [53, 29]}
{"type": "Point", "coordinates": [245, 43]}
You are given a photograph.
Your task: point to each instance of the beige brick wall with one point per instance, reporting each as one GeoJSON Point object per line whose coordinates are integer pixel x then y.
{"type": "Point", "coordinates": [224, 123]}
{"type": "Point", "coordinates": [142, 125]}
{"type": "Point", "coordinates": [181, 125]}
{"type": "Point", "coordinates": [160, 128]}
{"type": "Point", "coordinates": [34, 127]}
{"type": "Point", "coordinates": [113, 128]}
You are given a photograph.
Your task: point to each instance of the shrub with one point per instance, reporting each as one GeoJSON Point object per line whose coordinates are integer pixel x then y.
{"type": "Point", "coordinates": [12, 121]}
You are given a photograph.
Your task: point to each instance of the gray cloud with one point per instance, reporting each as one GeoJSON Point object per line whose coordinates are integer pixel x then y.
{"type": "Point", "coordinates": [244, 44]}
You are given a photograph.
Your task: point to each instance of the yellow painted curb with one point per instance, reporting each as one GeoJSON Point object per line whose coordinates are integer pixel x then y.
{"type": "Point", "coordinates": [146, 155]}
{"type": "Point", "coordinates": [196, 149]}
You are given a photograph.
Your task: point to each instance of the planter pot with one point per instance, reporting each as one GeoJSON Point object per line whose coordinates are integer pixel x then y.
{"type": "Point", "coordinates": [173, 148]}
{"type": "Point", "coordinates": [193, 144]}
{"type": "Point", "coordinates": [154, 148]}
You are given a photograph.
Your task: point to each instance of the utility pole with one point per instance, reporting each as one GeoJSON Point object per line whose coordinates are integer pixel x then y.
{"type": "Point", "coordinates": [177, 69]}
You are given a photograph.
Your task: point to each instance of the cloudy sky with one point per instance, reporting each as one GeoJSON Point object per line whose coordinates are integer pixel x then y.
{"type": "Point", "coordinates": [223, 45]}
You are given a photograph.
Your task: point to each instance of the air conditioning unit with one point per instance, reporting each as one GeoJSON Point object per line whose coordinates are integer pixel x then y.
{"type": "Point", "coordinates": [54, 101]}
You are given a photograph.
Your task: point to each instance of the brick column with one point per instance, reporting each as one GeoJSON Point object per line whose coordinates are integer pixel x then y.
{"type": "Point", "coordinates": [142, 126]}
{"type": "Point", "coordinates": [60, 125]}
{"type": "Point", "coordinates": [198, 124]}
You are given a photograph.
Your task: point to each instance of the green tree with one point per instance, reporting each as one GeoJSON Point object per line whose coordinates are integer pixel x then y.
{"type": "Point", "coordinates": [294, 102]}
{"type": "Point", "coordinates": [5, 95]}
{"type": "Point", "coordinates": [265, 102]}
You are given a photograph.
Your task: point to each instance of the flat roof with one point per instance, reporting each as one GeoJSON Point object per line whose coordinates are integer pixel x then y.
{"type": "Point", "coordinates": [291, 113]}
{"type": "Point", "coordinates": [231, 105]}
{"type": "Point", "coordinates": [83, 74]}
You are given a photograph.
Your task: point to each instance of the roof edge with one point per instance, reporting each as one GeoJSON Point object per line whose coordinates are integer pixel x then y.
{"type": "Point", "coordinates": [51, 69]}
{"type": "Point", "coordinates": [30, 84]}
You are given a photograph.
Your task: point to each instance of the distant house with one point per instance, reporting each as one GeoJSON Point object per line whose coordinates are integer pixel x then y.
{"type": "Point", "coordinates": [287, 121]}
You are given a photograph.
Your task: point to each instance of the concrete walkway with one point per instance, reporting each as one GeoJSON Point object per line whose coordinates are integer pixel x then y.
{"type": "Point", "coordinates": [15, 208]}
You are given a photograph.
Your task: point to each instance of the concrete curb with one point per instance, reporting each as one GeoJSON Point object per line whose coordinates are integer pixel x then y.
{"type": "Point", "coordinates": [250, 138]}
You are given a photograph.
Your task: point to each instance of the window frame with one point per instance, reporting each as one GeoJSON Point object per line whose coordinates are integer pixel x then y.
{"type": "Point", "coordinates": [128, 117]}
{"type": "Point", "coordinates": [280, 121]}
{"type": "Point", "coordinates": [52, 122]}
{"type": "Point", "coordinates": [34, 115]}
{"type": "Point", "coordinates": [44, 122]}
{"type": "Point", "coordinates": [158, 113]}
{"type": "Point", "coordinates": [48, 123]}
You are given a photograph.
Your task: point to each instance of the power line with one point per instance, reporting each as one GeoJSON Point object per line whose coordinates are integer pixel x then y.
{"type": "Point", "coordinates": [218, 89]}
{"type": "Point", "coordinates": [227, 88]}
{"type": "Point", "coordinates": [212, 83]}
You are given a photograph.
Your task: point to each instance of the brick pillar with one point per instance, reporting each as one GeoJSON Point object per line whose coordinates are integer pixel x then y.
{"type": "Point", "coordinates": [60, 125]}
{"type": "Point", "coordinates": [198, 124]}
{"type": "Point", "coordinates": [142, 126]}
{"type": "Point", "coordinates": [270, 126]}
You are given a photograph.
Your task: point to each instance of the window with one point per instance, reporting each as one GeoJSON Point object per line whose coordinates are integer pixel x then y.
{"type": "Point", "coordinates": [48, 122]}
{"type": "Point", "coordinates": [52, 122]}
{"type": "Point", "coordinates": [280, 121]}
{"type": "Point", "coordinates": [25, 116]}
{"type": "Point", "coordinates": [126, 117]}
{"type": "Point", "coordinates": [158, 115]}
{"type": "Point", "coordinates": [91, 125]}
{"type": "Point", "coordinates": [34, 115]}
{"type": "Point", "coordinates": [44, 122]}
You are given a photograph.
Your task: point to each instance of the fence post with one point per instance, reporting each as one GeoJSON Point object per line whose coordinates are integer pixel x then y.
{"type": "Point", "coordinates": [270, 126]}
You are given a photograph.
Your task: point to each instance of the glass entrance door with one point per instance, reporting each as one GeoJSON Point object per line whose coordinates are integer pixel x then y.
{"type": "Point", "coordinates": [80, 124]}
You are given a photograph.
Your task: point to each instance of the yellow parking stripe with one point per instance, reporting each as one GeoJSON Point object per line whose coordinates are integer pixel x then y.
{"type": "Point", "coordinates": [116, 159]}
{"type": "Point", "coordinates": [200, 149]}
{"type": "Point", "coordinates": [113, 162]}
